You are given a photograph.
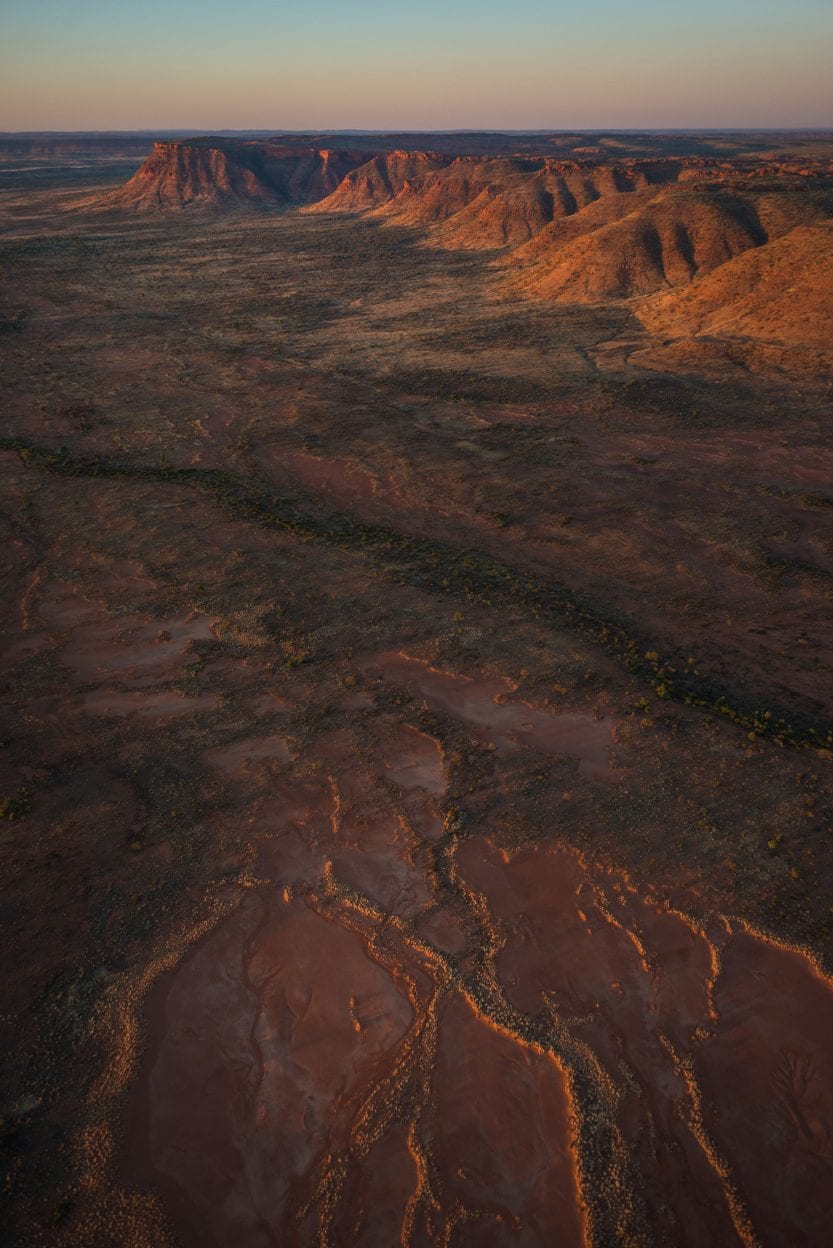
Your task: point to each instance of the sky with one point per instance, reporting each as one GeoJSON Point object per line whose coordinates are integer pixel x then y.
{"type": "Point", "coordinates": [414, 64]}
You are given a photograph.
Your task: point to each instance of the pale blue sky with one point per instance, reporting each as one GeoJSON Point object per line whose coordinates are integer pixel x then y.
{"type": "Point", "coordinates": [203, 64]}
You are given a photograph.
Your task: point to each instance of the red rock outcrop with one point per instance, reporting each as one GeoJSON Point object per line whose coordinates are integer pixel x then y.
{"type": "Point", "coordinates": [226, 174]}
{"type": "Point", "coordinates": [664, 242]}
{"type": "Point", "coordinates": [511, 210]}
{"type": "Point", "coordinates": [583, 232]}
{"type": "Point", "coordinates": [575, 231]}
{"type": "Point", "coordinates": [176, 175]}
{"type": "Point", "coordinates": [485, 201]}
{"type": "Point", "coordinates": [780, 293]}
{"type": "Point", "coordinates": [380, 179]}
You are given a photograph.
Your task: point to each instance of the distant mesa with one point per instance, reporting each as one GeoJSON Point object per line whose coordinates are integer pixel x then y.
{"type": "Point", "coordinates": [228, 174]}
{"type": "Point", "coordinates": [112, 146]}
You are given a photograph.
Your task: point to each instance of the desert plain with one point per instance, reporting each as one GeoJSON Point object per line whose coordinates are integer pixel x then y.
{"type": "Point", "coordinates": [417, 770]}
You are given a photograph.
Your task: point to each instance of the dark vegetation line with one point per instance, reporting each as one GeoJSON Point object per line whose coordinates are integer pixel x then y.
{"type": "Point", "coordinates": [443, 568]}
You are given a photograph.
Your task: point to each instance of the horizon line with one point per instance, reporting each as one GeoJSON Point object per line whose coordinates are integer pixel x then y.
{"type": "Point", "coordinates": [342, 130]}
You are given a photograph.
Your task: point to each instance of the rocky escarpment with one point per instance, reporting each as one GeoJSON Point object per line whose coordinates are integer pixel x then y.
{"type": "Point", "coordinates": [494, 201]}
{"type": "Point", "coordinates": [176, 175]}
{"type": "Point", "coordinates": [590, 232]}
{"type": "Point", "coordinates": [574, 231]}
{"type": "Point", "coordinates": [227, 174]}
{"type": "Point", "coordinates": [665, 239]}
{"type": "Point", "coordinates": [382, 179]}
{"type": "Point", "coordinates": [706, 246]}
{"type": "Point", "coordinates": [513, 205]}
{"type": "Point", "coordinates": [780, 293]}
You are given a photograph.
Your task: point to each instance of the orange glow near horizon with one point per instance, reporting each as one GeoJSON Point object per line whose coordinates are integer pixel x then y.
{"type": "Point", "coordinates": [461, 65]}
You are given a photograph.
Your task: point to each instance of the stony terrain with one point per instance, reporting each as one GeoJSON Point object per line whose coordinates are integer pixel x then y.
{"type": "Point", "coordinates": [417, 783]}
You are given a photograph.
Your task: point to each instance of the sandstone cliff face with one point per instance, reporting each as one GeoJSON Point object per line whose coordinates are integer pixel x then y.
{"type": "Point", "coordinates": [779, 293]}
{"type": "Point", "coordinates": [515, 205]}
{"type": "Point", "coordinates": [486, 201]}
{"type": "Point", "coordinates": [665, 240]}
{"type": "Point", "coordinates": [649, 241]}
{"type": "Point", "coordinates": [380, 180]}
{"type": "Point", "coordinates": [494, 201]}
{"type": "Point", "coordinates": [305, 176]}
{"type": "Point", "coordinates": [443, 193]}
{"type": "Point", "coordinates": [176, 175]}
{"type": "Point", "coordinates": [576, 231]}
{"type": "Point", "coordinates": [228, 174]}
